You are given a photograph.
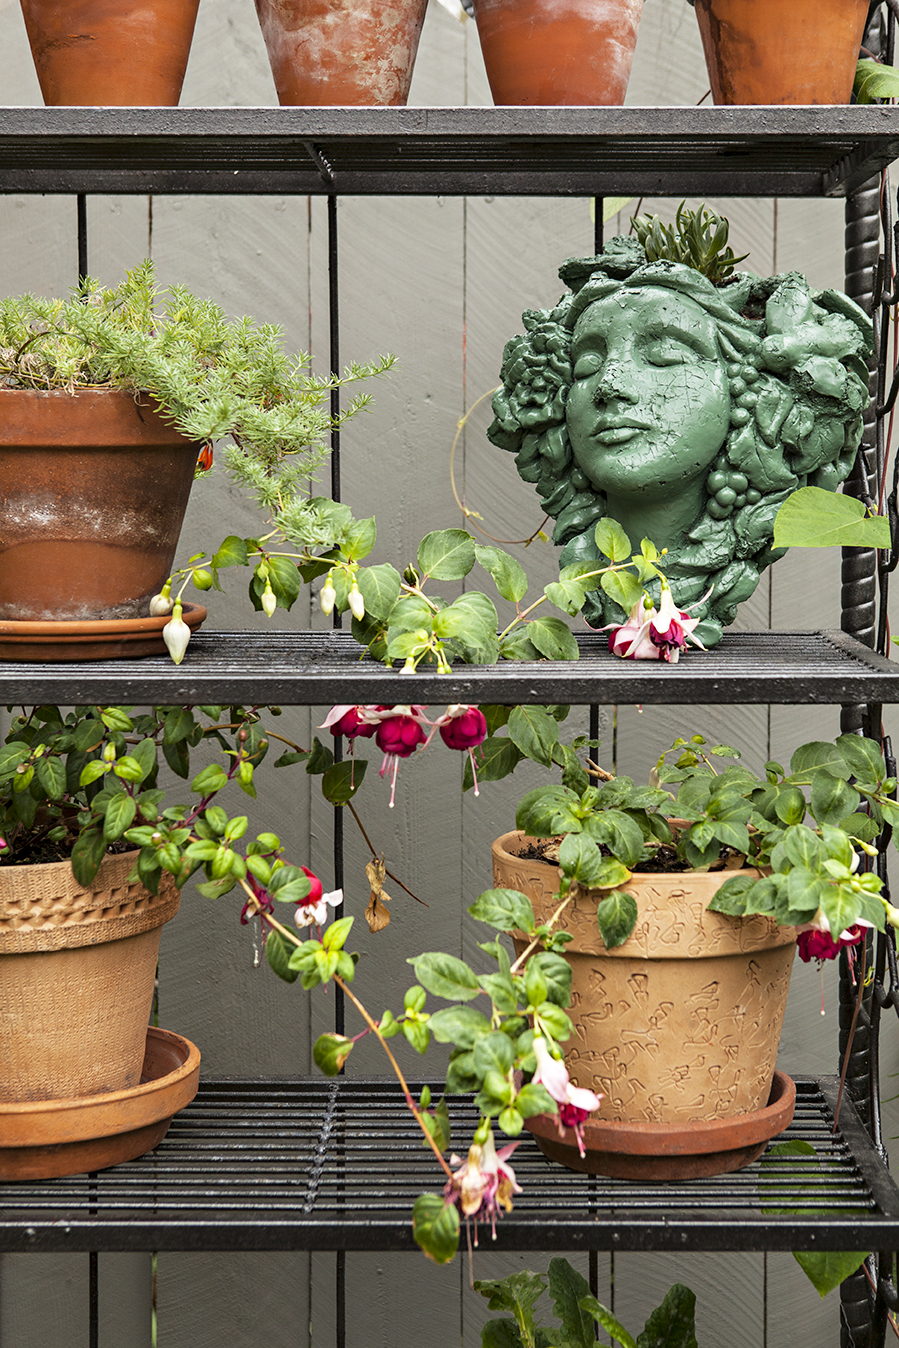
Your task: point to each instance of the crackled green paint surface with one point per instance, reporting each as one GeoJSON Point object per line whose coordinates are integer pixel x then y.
{"type": "Point", "coordinates": [686, 411]}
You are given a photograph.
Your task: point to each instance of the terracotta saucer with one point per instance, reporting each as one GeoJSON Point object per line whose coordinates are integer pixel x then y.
{"type": "Point", "coordinates": [46, 1139]}
{"type": "Point", "coordinates": [113, 640]}
{"type": "Point", "coordinates": [670, 1151]}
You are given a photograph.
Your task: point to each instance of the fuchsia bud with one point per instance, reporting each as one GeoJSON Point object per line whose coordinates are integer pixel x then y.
{"type": "Point", "coordinates": [401, 733]}
{"type": "Point", "coordinates": [176, 635]}
{"type": "Point", "coordinates": [462, 727]}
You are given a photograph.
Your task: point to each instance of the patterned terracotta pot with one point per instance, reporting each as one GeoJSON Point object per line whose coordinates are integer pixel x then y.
{"type": "Point", "coordinates": [344, 52]}
{"type": "Point", "coordinates": [110, 53]}
{"type": "Point", "coordinates": [682, 1022]}
{"type": "Point", "coordinates": [93, 490]}
{"type": "Point", "coordinates": [558, 51]}
{"type": "Point", "coordinates": [765, 51]}
{"type": "Point", "coordinates": [77, 969]}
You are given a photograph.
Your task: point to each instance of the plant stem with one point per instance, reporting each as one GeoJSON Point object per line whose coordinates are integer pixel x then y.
{"type": "Point", "coordinates": [536, 941]}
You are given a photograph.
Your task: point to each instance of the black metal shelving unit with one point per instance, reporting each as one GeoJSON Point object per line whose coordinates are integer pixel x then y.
{"type": "Point", "coordinates": [212, 1184]}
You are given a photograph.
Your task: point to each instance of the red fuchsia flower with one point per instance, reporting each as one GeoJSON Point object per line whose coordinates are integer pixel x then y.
{"type": "Point", "coordinates": [483, 1184]}
{"type": "Point", "coordinates": [464, 728]}
{"type": "Point", "coordinates": [654, 634]}
{"type": "Point", "coordinates": [312, 911]}
{"type": "Point", "coordinates": [400, 731]}
{"type": "Point", "coordinates": [576, 1103]}
{"type": "Point", "coordinates": [815, 941]}
{"type": "Point", "coordinates": [350, 722]}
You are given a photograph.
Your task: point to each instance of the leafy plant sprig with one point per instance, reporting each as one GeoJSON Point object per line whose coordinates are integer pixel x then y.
{"type": "Point", "coordinates": [698, 239]}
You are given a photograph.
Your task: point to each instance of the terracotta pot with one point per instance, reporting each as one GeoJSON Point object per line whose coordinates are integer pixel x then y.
{"type": "Point", "coordinates": [77, 969]}
{"type": "Point", "coordinates": [558, 51]}
{"type": "Point", "coordinates": [345, 52]}
{"type": "Point", "coordinates": [93, 490]}
{"type": "Point", "coordinates": [121, 639]}
{"type": "Point", "coordinates": [682, 1021]}
{"type": "Point", "coordinates": [110, 53]}
{"type": "Point", "coordinates": [766, 51]}
{"type": "Point", "coordinates": [48, 1139]}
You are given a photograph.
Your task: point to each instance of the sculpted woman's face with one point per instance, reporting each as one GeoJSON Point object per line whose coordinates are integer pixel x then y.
{"type": "Point", "coordinates": [649, 408]}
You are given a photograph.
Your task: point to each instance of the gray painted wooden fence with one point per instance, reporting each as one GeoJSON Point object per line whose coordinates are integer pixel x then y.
{"type": "Point", "coordinates": [441, 282]}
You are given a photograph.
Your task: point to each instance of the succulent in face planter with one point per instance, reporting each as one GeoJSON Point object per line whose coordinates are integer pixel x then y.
{"type": "Point", "coordinates": [682, 408]}
{"type": "Point", "coordinates": [683, 928]}
{"type": "Point", "coordinates": [119, 390]}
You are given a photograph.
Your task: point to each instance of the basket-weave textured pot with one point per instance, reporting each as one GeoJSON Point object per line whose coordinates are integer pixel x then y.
{"type": "Point", "coordinates": [681, 1022]}
{"type": "Point", "coordinates": [77, 969]}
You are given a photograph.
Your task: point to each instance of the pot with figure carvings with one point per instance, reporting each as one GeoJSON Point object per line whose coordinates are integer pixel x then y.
{"type": "Point", "coordinates": [677, 1028]}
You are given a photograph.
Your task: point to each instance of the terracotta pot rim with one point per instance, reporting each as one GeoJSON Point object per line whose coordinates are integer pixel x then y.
{"type": "Point", "coordinates": [78, 1133]}
{"type": "Point", "coordinates": [67, 629]}
{"type": "Point", "coordinates": [701, 1137]}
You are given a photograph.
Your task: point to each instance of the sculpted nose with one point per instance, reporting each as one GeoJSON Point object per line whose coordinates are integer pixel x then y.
{"type": "Point", "coordinates": [616, 380]}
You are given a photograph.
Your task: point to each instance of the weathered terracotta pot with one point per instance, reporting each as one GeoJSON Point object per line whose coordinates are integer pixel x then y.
{"type": "Point", "coordinates": [558, 51]}
{"type": "Point", "coordinates": [766, 51]}
{"type": "Point", "coordinates": [342, 52]}
{"type": "Point", "coordinates": [49, 1138]}
{"type": "Point", "coordinates": [77, 969]}
{"type": "Point", "coordinates": [93, 490]}
{"type": "Point", "coordinates": [681, 1022]}
{"type": "Point", "coordinates": [110, 53]}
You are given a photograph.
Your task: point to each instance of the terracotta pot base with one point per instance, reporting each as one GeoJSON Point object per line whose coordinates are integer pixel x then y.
{"type": "Point", "coordinates": [664, 1151]}
{"type": "Point", "coordinates": [115, 639]}
{"type": "Point", "coordinates": [51, 1138]}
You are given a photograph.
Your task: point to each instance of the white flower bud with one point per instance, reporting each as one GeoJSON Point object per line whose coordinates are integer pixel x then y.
{"type": "Point", "coordinates": [160, 605]}
{"type": "Point", "coordinates": [328, 598]}
{"type": "Point", "coordinates": [269, 602]}
{"type": "Point", "coordinates": [176, 635]}
{"type": "Point", "coordinates": [356, 602]}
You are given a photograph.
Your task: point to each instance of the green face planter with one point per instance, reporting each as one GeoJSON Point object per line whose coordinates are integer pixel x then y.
{"type": "Point", "coordinates": [686, 411]}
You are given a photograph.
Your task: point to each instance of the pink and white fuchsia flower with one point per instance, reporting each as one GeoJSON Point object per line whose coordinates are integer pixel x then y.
{"type": "Point", "coordinates": [484, 1183]}
{"type": "Point", "coordinates": [576, 1103]}
{"type": "Point", "coordinates": [654, 634]}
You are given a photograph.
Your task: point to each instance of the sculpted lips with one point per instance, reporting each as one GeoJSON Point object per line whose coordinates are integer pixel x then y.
{"type": "Point", "coordinates": [619, 431]}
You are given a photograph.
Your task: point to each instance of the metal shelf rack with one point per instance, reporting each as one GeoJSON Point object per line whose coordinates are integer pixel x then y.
{"type": "Point", "coordinates": [310, 1164]}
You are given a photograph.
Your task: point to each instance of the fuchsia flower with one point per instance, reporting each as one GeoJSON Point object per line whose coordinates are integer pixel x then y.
{"type": "Point", "coordinates": [313, 910]}
{"type": "Point", "coordinates": [654, 634]}
{"type": "Point", "coordinates": [400, 731]}
{"type": "Point", "coordinates": [575, 1103]}
{"type": "Point", "coordinates": [484, 1183]}
{"type": "Point", "coordinates": [349, 722]}
{"type": "Point", "coordinates": [462, 727]}
{"type": "Point", "coordinates": [815, 941]}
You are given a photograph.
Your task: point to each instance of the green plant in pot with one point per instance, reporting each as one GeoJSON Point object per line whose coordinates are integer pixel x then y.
{"type": "Point", "coordinates": [684, 911]}
{"type": "Point", "coordinates": [93, 855]}
{"type": "Point", "coordinates": [107, 399]}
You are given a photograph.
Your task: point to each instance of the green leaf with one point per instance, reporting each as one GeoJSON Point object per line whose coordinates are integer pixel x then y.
{"type": "Point", "coordinates": [209, 780]}
{"type": "Point", "coordinates": [580, 859]}
{"type": "Point", "coordinates": [815, 518]}
{"type": "Point", "coordinates": [832, 798]}
{"type": "Point", "coordinates": [616, 918]}
{"type": "Point", "coordinates": [342, 780]}
{"type": "Point", "coordinates": [285, 580]}
{"type": "Point", "coordinates": [505, 909]}
{"type": "Point", "coordinates": [508, 575]}
{"type": "Point", "coordinates": [552, 638]}
{"type": "Point", "coordinates": [380, 589]}
{"type": "Point", "coordinates": [435, 1226]}
{"type": "Point", "coordinates": [446, 554]}
{"type": "Point", "coordinates": [496, 757]}
{"type": "Point", "coordinates": [277, 954]}
{"type": "Point", "coordinates": [494, 1052]}
{"type": "Point", "coordinates": [534, 733]}
{"type": "Point", "coordinates": [178, 724]}
{"type": "Point", "coordinates": [874, 80]}
{"type": "Point", "coordinates": [864, 758]}
{"type": "Point", "coordinates": [673, 1324]}
{"type": "Point", "coordinates": [88, 852]}
{"type": "Point", "coordinates": [568, 595]}
{"type": "Point", "coordinates": [51, 775]}
{"type": "Point", "coordinates": [330, 1052]}
{"type": "Point", "coordinates": [612, 541]}
{"type": "Point", "coordinates": [808, 758]}
{"type": "Point", "coordinates": [359, 539]}
{"type": "Point", "coordinates": [567, 1287]}
{"type": "Point", "coordinates": [556, 973]}
{"type": "Point", "coordinates": [232, 551]}
{"type": "Point", "coordinates": [501, 1334]}
{"type": "Point", "coordinates": [92, 771]}
{"type": "Point", "coordinates": [623, 587]}
{"type": "Point", "coordinates": [445, 976]}
{"type": "Point", "coordinates": [459, 1025]}
{"type": "Point", "coordinates": [826, 1269]}
{"type": "Point", "coordinates": [604, 1317]}
{"type": "Point", "coordinates": [119, 815]}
